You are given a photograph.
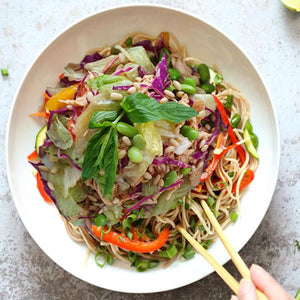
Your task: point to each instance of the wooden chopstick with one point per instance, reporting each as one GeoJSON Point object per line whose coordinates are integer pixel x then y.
{"type": "Point", "coordinates": [223, 273]}
{"type": "Point", "coordinates": [237, 260]}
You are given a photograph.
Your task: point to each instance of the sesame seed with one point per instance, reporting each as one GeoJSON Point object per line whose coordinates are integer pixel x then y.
{"type": "Point", "coordinates": [50, 185]}
{"type": "Point", "coordinates": [126, 140]}
{"type": "Point", "coordinates": [132, 90]}
{"type": "Point", "coordinates": [177, 85]}
{"type": "Point", "coordinates": [116, 96]}
{"type": "Point", "coordinates": [147, 176]}
{"type": "Point", "coordinates": [122, 154]}
{"type": "Point", "coordinates": [179, 94]}
{"type": "Point", "coordinates": [169, 94]}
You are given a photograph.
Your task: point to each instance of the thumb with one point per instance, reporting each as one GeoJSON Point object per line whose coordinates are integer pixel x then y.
{"type": "Point", "coordinates": [247, 290]}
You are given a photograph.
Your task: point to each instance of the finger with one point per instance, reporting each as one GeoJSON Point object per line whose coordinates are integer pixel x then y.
{"type": "Point", "coordinates": [234, 298]}
{"type": "Point", "coordinates": [247, 290]}
{"type": "Point", "coordinates": [267, 284]}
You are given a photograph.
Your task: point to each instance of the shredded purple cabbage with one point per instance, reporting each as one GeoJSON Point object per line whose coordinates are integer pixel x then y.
{"type": "Point", "coordinates": [90, 58]}
{"type": "Point", "coordinates": [147, 44]}
{"type": "Point", "coordinates": [162, 77]}
{"type": "Point", "coordinates": [122, 71]}
{"type": "Point", "coordinates": [48, 93]}
{"type": "Point", "coordinates": [75, 114]}
{"type": "Point", "coordinates": [170, 161]}
{"type": "Point", "coordinates": [45, 183]}
{"type": "Point", "coordinates": [139, 203]}
{"type": "Point", "coordinates": [65, 156]}
{"type": "Point", "coordinates": [56, 111]}
{"type": "Point", "coordinates": [80, 85]}
{"type": "Point", "coordinates": [141, 71]}
{"type": "Point", "coordinates": [123, 163]}
{"type": "Point", "coordinates": [47, 143]}
{"type": "Point", "coordinates": [68, 82]}
{"type": "Point", "coordinates": [121, 87]}
{"type": "Point", "coordinates": [160, 44]}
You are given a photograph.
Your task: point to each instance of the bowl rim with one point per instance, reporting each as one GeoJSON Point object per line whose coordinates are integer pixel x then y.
{"type": "Point", "coordinates": [150, 5]}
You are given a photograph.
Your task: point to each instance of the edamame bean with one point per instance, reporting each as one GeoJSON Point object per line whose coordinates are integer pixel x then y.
{"type": "Point", "coordinates": [139, 141]}
{"type": "Point", "coordinates": [135, 155]}
{"type": "Point", "coordinates": [248, 126]}
{"type": "Point", "coordinates": [189, 132]}
{"type": "Point", "coordinates": [204, 73]}
{"type": "Point", "coordinates": [185, 171]}
{"type": "Point", "coordinates": [254, 139]}
{"type": "Point", "coordinates": [170, 178]}
{"type": "Point", "coordinates": [190, 81]}
{"type": "Point", "coordinates": [189, 89]}
{"type": "Point", "coordinates": [235, 120]}
{"type": "Point", "coordinates": [126, 129]}
{"type": "Point", "coordinates": [208, 88]}
{"type": "Point", "coordinates": [174, 74]}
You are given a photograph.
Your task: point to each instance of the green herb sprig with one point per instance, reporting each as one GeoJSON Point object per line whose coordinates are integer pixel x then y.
{"type": "Point", "coordinates": [102, 148]}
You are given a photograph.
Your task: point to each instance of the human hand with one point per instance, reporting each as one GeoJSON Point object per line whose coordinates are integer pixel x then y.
{"type": "Point", "coordinates": [262, 280]}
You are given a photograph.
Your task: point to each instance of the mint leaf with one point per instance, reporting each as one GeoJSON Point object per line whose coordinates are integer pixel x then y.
{"type": "Point", "coordinates": [102, 153]}
{"type": "Point", "coordinates": [176, 112]}
{"type": "Point", "coordinates": [110, 162]}
{"type": "Point", "coordinates": [99, 116]}
{"type": "Point", "coordinates": [141, 108]}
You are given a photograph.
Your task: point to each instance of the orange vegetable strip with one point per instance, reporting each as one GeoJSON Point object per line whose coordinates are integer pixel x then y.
{"type": "Point", "coordinates": [214, 162]}
{"type": "Point", "coordinates": [246, 180]}
{"type": "Point", "coordinates": [40, 114]}
{"type": "Point", "coordinates": [66, 94]}
{"type": "Point", "coordinates": [132, 245]}
{"type": "Point", "coordinates": [239, 148]}
{"type": "Point", "coordinates": [40, 187]}
{"type": "Point", "coordinates": [32, 156]}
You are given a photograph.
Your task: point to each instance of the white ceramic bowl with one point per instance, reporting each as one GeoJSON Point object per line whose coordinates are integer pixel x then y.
{"type": "Point", "coordinates": [202, 41]}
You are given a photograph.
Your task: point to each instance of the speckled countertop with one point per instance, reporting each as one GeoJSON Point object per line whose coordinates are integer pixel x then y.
{"type": "Point", "coordinates": [269, 35]}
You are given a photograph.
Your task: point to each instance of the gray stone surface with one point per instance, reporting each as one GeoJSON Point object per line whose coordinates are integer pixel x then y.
{"type": "Point", "coordinates": [269, 35]}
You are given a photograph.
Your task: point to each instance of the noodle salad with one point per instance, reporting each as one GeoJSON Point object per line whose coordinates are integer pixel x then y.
{"type": "Point", "coordinates": [135, 136]}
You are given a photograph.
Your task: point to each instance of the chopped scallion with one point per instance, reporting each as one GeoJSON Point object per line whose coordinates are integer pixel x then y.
{"type": "Point", "coordinates": [231, 173]}
{"type": "Point", "coordinates": [4, 72]}
{"type": "Point", "coordinates": [189, 252]}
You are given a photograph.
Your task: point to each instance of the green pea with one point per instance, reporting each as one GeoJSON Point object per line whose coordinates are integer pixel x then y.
{"type": "Point", "coordinates": [208, 88]}
{"type": "Point", "coordinates": [174, 74]}
{"type": "Point", "coordinates": [135, 155]}
{"type": "Point", "coordinates": [204, 73]}
{"type": "Point", "coordinates": [185, 171]}
{"type": "Point", "coordinates": [254, 139]}
{"type": "Point", "coordinates": [248, 126]}
{"type": "Point", "coordinates": [100, 220]}
{"type": "Point", "coordinates": [114, 50]}
{"type": "Point", "coordinates": [170, 178]}
{"type": "Point", "coordinates": [128, 42]}
{"type": "Point", "coordinates": [190, 81]}
{"type": "Point", "coordinates": [189, 89]}
{"type": "Point", "coordinates": [139, 141]}
{"type": "Point", "coordinates": [126, 129]}
{"type": "Point", "coordinates": [189, 132]}
{"type": "Point", "coordinates": [236, 119]}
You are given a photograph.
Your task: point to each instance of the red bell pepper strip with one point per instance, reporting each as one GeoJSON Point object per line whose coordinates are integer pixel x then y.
{"type": "Point", "coordinates": [247, 179]}
{"type": "Point", "coordinates": [214, 162]}
{"type": "Point", "coordinates": [124, 242]}
{"type": "Point", "coordinates": [32, 156]}
{"type": "Point", "coordinates": [70, 127]}
{"type": "Point", "coordinates": [40, 187]}
{"type": "Point", "coordinates": [239, 148]}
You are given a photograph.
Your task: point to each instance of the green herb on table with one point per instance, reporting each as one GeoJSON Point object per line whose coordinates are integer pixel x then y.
{"type": "Point", "coordinates": [297, 245]}
{"type": "Point", "coordinates": [4, 72]}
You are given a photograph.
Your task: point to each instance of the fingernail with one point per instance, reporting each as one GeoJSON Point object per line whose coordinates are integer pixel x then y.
{"type": "Point", "coordinates": [233, 297]}
{"type": "Point", "coordinates": [246, 287]}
